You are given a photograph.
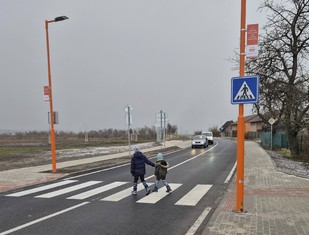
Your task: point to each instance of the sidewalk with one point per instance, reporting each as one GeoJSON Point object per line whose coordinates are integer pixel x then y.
{"type": "Point", "coordinates": [18, 178]}
{"type": "Point", "coordinates": [276, 203]}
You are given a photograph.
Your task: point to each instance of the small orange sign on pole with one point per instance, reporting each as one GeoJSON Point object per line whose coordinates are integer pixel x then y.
{"type": "Point", "coordinates": [252, 34]}
{"type": "Point", "coordinates": [46, 93]}
{"type": "Point", "coordinates": [252, 41]}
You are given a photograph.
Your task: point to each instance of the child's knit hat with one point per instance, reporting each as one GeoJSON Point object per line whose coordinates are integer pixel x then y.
{"type": "Point", "coordinates": [137, 148]}
{"type": "Point", "coordinates": [159, 157]}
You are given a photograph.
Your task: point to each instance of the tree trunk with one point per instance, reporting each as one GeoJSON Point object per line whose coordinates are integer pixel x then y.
{"type": "Point", "coordinates": [293, 143]}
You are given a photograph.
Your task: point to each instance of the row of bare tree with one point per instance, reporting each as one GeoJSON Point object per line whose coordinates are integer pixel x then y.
{"type": "Point", "coordinates": [145, 134]}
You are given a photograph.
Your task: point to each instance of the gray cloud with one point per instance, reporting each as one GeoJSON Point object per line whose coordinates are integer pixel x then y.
{"type": "Point", "coordinates": [153, 55]}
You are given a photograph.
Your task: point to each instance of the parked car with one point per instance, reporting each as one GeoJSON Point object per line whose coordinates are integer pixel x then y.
{"type": "Point", "coordinates": [199, 141]}
{"type": "Point", "coordinates": [209, 136]}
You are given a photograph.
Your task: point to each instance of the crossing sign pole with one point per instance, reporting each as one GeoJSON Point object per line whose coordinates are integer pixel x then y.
{"type": "Point", "coordinates": [244, 90]}
{"type": "Point", "coordinates": [241, 119]}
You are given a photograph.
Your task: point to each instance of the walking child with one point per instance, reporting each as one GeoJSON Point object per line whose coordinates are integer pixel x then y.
{"type": "Point", "coordinates": [138, 169]}
{"type": "Point", "coordinates": [160, 173]}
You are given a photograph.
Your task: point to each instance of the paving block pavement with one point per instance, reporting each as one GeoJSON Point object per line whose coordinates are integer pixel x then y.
{"type": "Point", "coordinates": [275, 203]}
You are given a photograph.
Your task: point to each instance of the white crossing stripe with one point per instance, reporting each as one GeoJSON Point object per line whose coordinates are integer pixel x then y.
{"type": "Point", "coordinates": [124, 193]}
{"type": "Point", "coordinates": [194, 196]}
{"type": "Point", "coordinates": [69, 189]}
{"type": "Point", "coordinates": [40, 189]}
{"type": "Point", "coordinates": [96, 191]}
{"type": "Point", "coordinates": [157, 196]}
{"type": "Point", "coordinates": [190, 199]}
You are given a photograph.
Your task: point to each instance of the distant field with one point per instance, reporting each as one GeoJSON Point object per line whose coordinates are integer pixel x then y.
{"type": "Point", "coordinates": [31, 150]}
{"type": "Point", "coordinates": [26, 146]}
{"type": "Point", "coordinates": [21, 151]}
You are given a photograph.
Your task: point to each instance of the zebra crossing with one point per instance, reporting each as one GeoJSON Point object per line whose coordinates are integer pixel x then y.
{"type": "Point", "coordinates": [190, 198]}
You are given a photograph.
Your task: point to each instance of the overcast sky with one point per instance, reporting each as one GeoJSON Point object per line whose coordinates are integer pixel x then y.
{"type": "Point", "coordinates": [168, 55]}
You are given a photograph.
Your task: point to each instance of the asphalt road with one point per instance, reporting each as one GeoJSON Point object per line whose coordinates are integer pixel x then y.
{"type": "Point", "coordinates": [100, 202]}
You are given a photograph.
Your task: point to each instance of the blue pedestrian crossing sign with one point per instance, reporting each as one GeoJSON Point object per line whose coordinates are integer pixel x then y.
{"type": "Point", "coordinates": [245, 90]}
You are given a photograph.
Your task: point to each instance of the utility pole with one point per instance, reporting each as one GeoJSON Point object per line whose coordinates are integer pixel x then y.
{"type": "Point", "coordinates": [128, 109]}
{"type": "Point", "coordinates": [161, 127]}
{"type": "Point", "coordinates": [164, 131]}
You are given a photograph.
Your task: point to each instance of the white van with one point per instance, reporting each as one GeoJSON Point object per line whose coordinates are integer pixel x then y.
{"type": "Point", "coordinates": [209, 136]}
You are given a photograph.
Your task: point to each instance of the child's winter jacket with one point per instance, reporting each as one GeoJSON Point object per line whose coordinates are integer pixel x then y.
{"type": "Point", "coordinates": [161, 169]}
{"type": "Point", "coordinates": [138, 162]}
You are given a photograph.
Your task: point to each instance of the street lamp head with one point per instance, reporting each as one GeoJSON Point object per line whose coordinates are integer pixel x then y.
{"type": "Point", "coordinates": [61, 18]}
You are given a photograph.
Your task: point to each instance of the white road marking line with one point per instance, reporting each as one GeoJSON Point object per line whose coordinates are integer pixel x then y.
{"type": "Point", "coordinates": [124, 193]}
{"type": "Point", "coordinates": [157, 196]}
{"type": "Point", "coordinates": [190, 159]}
{"type": "Point", "coordinates": [107, 169]}
{"type": "Point", "coordinates": [231, 173]}
{"type": "Point", "coordinates": [67, 190]}
{"type": "Point", "coordinates": [42, 188]}
{"type": "Point", "coordinates": [198, 222]}
{"type": "Point", "coordinates": [96, 191]}
{"type": "Point", "coordinates": [194, 196]}
{"type": "Point", "coordinates": [42, 219]}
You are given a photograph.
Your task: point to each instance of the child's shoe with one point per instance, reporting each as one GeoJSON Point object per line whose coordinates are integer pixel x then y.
{"type": "Point", "coordinates": [168, 189]}
{"type": "Point", "coordinates": [134, 192]}
{"type": "Point", "coordinates": [148, 191]}
{"type": "Point", "coordinates": [155, 189]}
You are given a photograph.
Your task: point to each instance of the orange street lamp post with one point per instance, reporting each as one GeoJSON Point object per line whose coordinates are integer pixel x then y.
{"type": "Point", "coordinates": [241, 119]}
{"type": "Point", "coordinates": [52, 118]}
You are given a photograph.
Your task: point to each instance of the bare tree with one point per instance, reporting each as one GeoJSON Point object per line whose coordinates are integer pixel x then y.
{"type": "Point", "coordinates": [146, 133]}
{"type": "Point", "coordinates": [171, 129]}
{"type": "Point", "coordinates": [283, 66]}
